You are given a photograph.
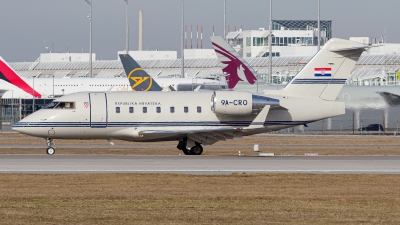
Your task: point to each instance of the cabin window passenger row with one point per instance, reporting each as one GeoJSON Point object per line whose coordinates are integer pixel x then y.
{"type": "Point", "coordinates": [70, 105]}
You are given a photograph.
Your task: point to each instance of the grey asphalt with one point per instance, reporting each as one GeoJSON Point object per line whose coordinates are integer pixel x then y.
{"type": "Point", "coordinates": [60, 164]}
{"type": "Point", "coordinates": [133, 146]}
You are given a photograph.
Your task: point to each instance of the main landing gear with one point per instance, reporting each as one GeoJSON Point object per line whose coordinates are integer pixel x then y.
{"type": "Point", "coordinates": [50, 144]}
{"type": "Point", "coordinates": [195, 150]}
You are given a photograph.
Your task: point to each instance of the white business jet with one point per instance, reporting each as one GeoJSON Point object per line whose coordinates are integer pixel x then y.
{"type": "Point", "coordinates": [194, 119]}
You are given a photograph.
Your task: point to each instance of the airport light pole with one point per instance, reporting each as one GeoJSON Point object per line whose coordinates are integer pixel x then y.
{"type": "Point", "coordinates": [90, 38]}
{"type": "Point", "coordinates": [33, 94]}
{"type": "Point", "coordinates": [53, 87]}
{"type": "Point", "coordinates": [127, 28]}
{"type": "Point", "coordinates": [319, 27]}
{"type": "Point", "coordinates": [182, 41]}
{"type": "Point", "coordinates": [224, 19]}
{"type": "Point", "coordinates": [270, 44]}
{"type": "Point", "coordinates": [12, 107]}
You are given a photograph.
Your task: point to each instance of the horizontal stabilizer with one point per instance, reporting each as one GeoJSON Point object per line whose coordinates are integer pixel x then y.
{"type": "Point", "coordinates": [365, 47]}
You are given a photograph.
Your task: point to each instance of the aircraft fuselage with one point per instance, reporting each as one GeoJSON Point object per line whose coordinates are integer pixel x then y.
{"type": "Point", "coordinates": [134, 116]}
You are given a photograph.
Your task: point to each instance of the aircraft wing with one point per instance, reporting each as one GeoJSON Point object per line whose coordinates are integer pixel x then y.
{"type": "Point", "coordinates": [210, 136]}
{"type": "Point", "coordinates": [204, 136]}
{"type": "Point", "coordinates": [207, 136]}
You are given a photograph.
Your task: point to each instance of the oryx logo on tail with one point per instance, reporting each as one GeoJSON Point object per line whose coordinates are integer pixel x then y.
{"type": "Point", "coordinates": [236, 69]}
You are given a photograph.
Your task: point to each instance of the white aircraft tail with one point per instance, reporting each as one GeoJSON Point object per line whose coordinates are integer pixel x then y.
{"type": "Point", "coordinates": [326, 73]}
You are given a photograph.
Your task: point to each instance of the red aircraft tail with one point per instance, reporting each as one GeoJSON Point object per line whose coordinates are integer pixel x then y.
{"type": "Point", "coordinates": [9, 75]}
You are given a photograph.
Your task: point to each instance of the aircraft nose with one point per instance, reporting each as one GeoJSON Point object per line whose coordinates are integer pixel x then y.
{"type": "Point", "coordinates": [26, 128]}
{"type": "Point", "coordinates": [19, 127]}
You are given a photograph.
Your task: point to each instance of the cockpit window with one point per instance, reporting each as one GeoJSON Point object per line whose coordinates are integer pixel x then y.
{"type": "Point", "coordinates": [66, 105]}
{"type": "Point", "coordinates": [60, 105]}
{"type": "Point", "coordinates": [51, 105]}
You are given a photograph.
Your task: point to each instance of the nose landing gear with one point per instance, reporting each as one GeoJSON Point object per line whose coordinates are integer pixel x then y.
{"type": "Point", "coordinates": [50, 144]}
{"type": "Point", "coordinates": [50, 151]}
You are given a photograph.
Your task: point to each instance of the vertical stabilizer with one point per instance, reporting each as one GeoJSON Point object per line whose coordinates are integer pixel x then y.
{"type": "Point", "coordinates": [9, 75]}
{"type": "Point", "coordinates": [138, 78]}
{"type": "Point", "coordinates": [237, 68]}
{"type": "Point", "coordinates": [326, 73]}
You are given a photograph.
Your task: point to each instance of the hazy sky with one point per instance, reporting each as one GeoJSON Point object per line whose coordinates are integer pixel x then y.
{"type": "Point", "coordinates": [27, 26]}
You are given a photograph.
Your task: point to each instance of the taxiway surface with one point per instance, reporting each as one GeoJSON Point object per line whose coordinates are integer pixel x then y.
{"type": "Point", "coordinates": [198, 164]}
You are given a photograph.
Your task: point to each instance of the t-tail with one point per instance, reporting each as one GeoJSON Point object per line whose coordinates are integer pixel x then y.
{"type": "Point", "coordinates": [325, 74]}
{"type": "Point", "coordinates": [138, 78]}
{"type": "Point", "coordinates": [9, 75]}
{"type": "Point", "coordinates": [237, 68]}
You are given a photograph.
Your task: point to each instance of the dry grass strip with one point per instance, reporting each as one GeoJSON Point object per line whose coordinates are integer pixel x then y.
{"type": "Point", "coordinates": [199, 199]}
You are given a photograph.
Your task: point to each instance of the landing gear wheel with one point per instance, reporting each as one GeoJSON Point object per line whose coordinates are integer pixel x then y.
{"type": "Point", "coordinates": [197, 150]}
{"type": "Point", "coordinates": [187, 151]}
{"type": "Point", "coordinates": [50, 151]}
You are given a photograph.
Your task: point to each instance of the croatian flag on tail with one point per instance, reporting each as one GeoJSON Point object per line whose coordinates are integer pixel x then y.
{"type": "Point", "coordinates": [322, 72]}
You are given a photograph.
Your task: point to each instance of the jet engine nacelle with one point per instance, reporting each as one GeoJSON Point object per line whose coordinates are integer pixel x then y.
{"type": "Point", "coordinates": [239, 103]}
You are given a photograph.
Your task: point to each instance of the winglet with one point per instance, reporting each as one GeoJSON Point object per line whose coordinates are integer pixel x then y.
{"type": "Point", "coordinates": [258, 122]}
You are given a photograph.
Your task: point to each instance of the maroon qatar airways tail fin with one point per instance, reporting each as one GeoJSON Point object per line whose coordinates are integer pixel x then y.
{"type": "Point", "coordinates": [237, 68]}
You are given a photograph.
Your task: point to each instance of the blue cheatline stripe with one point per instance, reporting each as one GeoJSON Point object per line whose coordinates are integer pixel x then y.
{"type": "Point", "coordinates": [153, 124]}
{"type": "Point", "coordinates": [322, 75]}
{"type": "Point", "coordinates": [319, 81]}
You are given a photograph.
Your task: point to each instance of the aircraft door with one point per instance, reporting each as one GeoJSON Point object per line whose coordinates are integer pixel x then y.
{"type": "Point", "coordinates": [98, 110]}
